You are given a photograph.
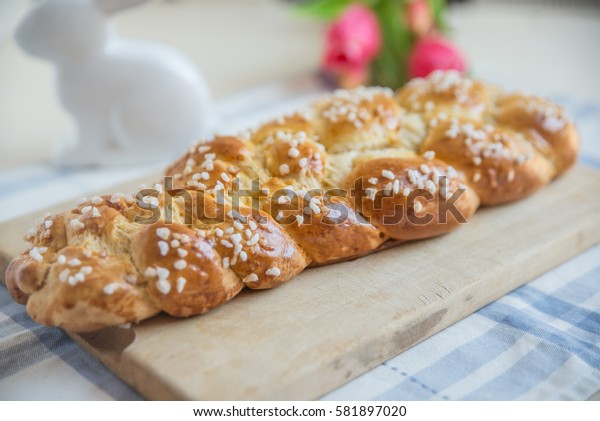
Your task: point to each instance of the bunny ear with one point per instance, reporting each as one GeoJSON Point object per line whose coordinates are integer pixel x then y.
{"type": "Point", "coordinates": [110, 7]}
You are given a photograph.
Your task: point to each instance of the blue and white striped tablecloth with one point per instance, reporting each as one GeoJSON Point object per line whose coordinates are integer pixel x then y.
{"type": "Point", "coordinates": [542, 341]}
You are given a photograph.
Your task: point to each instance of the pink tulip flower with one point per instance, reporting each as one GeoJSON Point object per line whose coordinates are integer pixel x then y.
{"type": "Point", "coordinates": [352, 42]}
{"type": "Point", "coordinates": [419, 18]}
{"type": "Point", "coordinates": [434, 53]}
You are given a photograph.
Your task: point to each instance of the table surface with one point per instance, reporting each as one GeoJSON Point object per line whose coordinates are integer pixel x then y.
{"type": "Point", "coordinates": [546, 51]}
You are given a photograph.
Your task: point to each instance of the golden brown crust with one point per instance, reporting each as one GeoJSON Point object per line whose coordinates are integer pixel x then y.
{"type": "Point", "coordinates": [544, 124]}
{"type": "Point", "coordinates": [210, 165]}
{"type": "Point", "coordinates": [409, 199]}
{"type": "Point", "coordinates": [257, 248]}
{"type": "Point", "coordinates": [84, 290]}
{"type": "Point", "coordinates": [500, 164]}
{"type": "Point", "coordinates": [24, 276]}
{"type": "Point", "coordinates": [360, 119]}
{"type": "Point", "coordinates": [185, 275]}
{"type": "Point", "coordinates": [50, 231]}
{"type": "Point", "coordinates": [354, 170]}
{"type": "Point", "coordinates": [318, 221]}
{"type": "Point", "coordinates": [447, 92]}
{"type": "Point", "coordinates": [293, 155]}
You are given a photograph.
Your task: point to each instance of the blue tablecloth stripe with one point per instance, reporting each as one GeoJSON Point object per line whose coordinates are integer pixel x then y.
{"type": "Point", "coordinates": [522, 376]}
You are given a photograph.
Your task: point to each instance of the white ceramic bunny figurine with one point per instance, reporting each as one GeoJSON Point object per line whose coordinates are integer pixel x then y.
{"type": "Point", "coordinates": [132, 101]}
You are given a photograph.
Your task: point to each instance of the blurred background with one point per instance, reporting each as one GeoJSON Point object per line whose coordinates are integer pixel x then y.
{"type": "Point", "coordinates": [546, 47]}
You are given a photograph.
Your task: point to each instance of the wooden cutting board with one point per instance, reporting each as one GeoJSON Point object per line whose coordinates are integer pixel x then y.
{"type": "Point", "coordinates": [333, 323]}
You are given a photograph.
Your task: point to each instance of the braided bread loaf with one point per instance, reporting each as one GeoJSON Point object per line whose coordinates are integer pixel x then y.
{"type": "Point", "coordinates": [355, 170]}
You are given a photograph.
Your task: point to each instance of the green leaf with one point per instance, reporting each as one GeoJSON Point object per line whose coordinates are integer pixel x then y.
{"type": "Point", "coordinates": [438, 9]}
{"type": "Point", "coordinates": [389, 67]}
{"type": "Point", "coordinates": [322, 9]}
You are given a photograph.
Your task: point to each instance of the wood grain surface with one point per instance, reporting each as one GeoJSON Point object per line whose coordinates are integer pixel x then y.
{"type": "Point", "coordinates": [333, 323]}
